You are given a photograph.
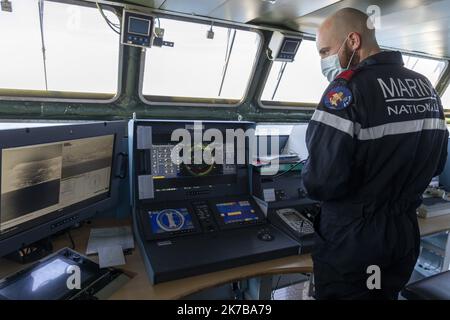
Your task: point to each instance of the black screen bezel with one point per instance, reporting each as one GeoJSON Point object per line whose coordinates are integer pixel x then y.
{"type": "Point", "coordinates": [63, 211]}
{"type": "Point", "coordinates": [223, 226]}
{"type": "Point", "coordinates": [149, 21]}
{"type": "Point", "coordinates": [150, 235]}
{"type": "Point", "coordinates": [40, 227]}
{"type": "Point", "coordinates": [141, 165]}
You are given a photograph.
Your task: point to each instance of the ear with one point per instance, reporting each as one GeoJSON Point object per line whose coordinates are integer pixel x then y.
{"type": "Point", "coordinates": [355, 40]}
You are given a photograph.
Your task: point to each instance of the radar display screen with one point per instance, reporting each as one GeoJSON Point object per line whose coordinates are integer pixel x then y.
{"type": "Point", "coordinates": [236, 212]}
{"type": "Point", "coordinates": [38, 180]}
{"type": "Point", "coordinates": [171, 220]}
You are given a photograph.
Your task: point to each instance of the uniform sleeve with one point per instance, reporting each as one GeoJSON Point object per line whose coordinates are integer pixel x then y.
{"type": "Point", "coordinates": [330, 139]}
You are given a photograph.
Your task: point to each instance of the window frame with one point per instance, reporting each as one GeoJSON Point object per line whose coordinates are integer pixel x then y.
{"type": "Point", "coordinates": [58, 96]}
{"type": "Point", "coordinates": [157, 101]}
{"type": "Point", "coordinates": [303, 106]}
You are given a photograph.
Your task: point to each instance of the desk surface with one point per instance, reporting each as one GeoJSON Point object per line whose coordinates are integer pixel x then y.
{"type": "Point", "coordinates": [139, 286]}
{"type": "Point", "coordinates": [434, 225]}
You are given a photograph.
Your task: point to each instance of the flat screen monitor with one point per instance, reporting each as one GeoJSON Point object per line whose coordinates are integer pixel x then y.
{"type": "Point", "coordinates": [290, 46]}
{"type": "Point", "coordinates": [162, 222]}
{"type": "Point", "coordinates": [184, 167]}
{"type": "Point", "coordinates": [139, 26]}
{"type": "Point", "coordinates": [170, 220]}
{"type": "Point", "coordinates": [236, 212]}
{"type": "Point", "coordinates": [39, 179]}
{"type": "Point", "coordinates": [51, 183]}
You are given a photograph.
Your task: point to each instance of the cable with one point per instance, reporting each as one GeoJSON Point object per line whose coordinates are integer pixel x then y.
{"type": "Point", "coordinates": [159, 26]}
{"type": "Point", "coordinates": [105, 17]}
{"type": "Point", "coordinates": [110, 24]}
{"type": "Point", "coordinates": [71, 239]}
{"type": "Point", "coordinates": [276, 287]}
{"type": "Point", "coordinates": [269, 56]}
{"type": "Point", "coordinates": [289, 170]}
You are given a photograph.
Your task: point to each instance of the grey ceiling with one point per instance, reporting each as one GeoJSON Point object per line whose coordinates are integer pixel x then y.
{"type": "Point", "coordinates": [412, 25]}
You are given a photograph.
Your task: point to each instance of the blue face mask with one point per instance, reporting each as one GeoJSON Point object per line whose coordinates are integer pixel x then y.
{"type": "Point", "coordinates": [331, 66]}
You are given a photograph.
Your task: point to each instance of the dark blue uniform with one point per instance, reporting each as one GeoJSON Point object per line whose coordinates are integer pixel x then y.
{"type": "Point", "coordinates": [375, 142]}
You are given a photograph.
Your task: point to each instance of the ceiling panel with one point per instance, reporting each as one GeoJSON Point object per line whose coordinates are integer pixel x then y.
{"type": "Point", "coordinates": [241, 11]}
{"type": "Point", "coordinates": [148, 3]}
{"type": "Point", "coordinates": [288, 11]}
{"type": "Point", "coordinates": [197, 7]}
{"type": "Point", "coordinates": [413, 25]}
{"type": "Point", "coordinates": [280, 12]}
{"type": "Point", "coordinates": [409, 24]}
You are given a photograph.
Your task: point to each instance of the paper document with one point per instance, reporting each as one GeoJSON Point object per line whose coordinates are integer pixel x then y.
{"type": "Point", "coordinates": [110, 256]}
{"type": "Point", "coordinates": [110, 237]}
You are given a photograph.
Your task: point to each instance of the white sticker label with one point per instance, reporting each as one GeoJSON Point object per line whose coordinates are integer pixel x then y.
{"type": "Point", "coordinates": [269, 195]}
{"type": "Point", "coordinates": [145, 185]}
{"type": "Point", "coordinates": [144, 137]}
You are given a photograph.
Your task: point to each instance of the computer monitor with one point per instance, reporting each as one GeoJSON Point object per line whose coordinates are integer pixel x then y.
{"type": "Point", "coordinates": [172, 181]}
{"type": "Point", "coordinates": [53, 177]}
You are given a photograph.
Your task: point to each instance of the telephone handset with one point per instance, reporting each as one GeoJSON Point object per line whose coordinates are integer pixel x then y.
{"type": "Point", "coordinates": [296, 221]}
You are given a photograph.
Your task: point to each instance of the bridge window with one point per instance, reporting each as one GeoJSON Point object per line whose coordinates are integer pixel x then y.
{"type": "Point", "coordinates": [446, 101]}
{"type": "Point", "coordinates": [81, 52]}
{"type": "Point", "coordinates": [431, 68]}
{"type": "Point", "coordinates": [301, 82]}
{"type": "Point", "coordinates": [198, 69]}
{"type": "Point", "coordinates": [298, 82]}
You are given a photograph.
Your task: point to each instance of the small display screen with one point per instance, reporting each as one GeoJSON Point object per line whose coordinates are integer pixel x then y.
{"type": "Point", "coordinates": [139, 26]}
{"type": "Point", "coordinates": [290, 46]}
{"type": "Point", "coordinates": [170, 220]}
{"type": "Point", "coordinates": [235, 212]}
{"type": "Point", "coordinates": [47, 282]}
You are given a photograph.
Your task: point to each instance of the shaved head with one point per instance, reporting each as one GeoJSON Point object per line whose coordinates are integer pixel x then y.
{"type": "Point", "coordinates": [349, 25]}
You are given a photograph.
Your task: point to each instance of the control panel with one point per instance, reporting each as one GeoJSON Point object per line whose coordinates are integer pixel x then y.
{"type": "Point", "coordinates": [283, 47]}
{"type": "Point", "coordinates": [161, 161]}
{"type": "Point", "coordinates": [205, 216]}
{"type": "Point", "coordinates": [199, 216]}
{"type": "Point", "coordinates": [296, 221]}
{"type": "Point", "coordinates": [137, 29]}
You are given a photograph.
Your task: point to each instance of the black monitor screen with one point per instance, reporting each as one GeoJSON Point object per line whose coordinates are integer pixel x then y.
{"type": "Point", "coordinates": [290, 46]}
{"type": "Point", "coordinates": [168, 173]}
{"type": "Point", "coordinates": [40, 179]}
{"type": "Point", "coordinates": [170, 220]}
{"type": "Point", "coordinates": [46, 282]}
{"type": "Point", "coordinates": [139, 26]}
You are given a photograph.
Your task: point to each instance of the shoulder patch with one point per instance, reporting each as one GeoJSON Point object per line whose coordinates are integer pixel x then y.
{"type": "Point", "coordinates": [338, 98]}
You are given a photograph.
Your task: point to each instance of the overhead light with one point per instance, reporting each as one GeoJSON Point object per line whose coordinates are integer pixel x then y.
{"type": "Point", "coordinates": [270, 1]}
{"type": "Point", "coordinates": [6, 6]}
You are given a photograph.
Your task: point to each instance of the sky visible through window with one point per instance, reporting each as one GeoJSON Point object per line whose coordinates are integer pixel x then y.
{"type": "Point", "coordinates": [82, 53]}
{"type": "Point", "coordinates": [446, 99]}
{"type": "Point", "coordinates": [194, 66]}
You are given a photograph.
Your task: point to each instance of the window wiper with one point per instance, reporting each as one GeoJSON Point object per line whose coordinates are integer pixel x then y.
{"type": "Point", "coordinates": [280, 76]}
{"type": "Point", "coordinates": [228, 51]}
{"type": "Point", "coordinates": [41, 23]}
